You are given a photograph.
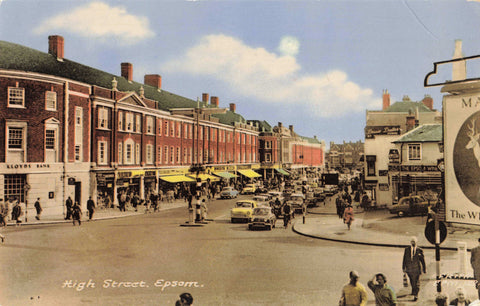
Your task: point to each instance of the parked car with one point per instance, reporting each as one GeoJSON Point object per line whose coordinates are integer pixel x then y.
{"type": "Point", "coordinates": [249, 189]}
{"type": "Point", "coordinates": [263, 217]}
{"type": "Point", "coordinates": [296, 201]}
{"type": "Point", "coordinates": [276, 194]}
{"type": "Point", "coordinates": [243, 211]}
{"type": "Point", "coordinates": [330, 190]}
{"type": "Point", "coordinates": [411, 205]}
{"type": "Point", "coordinates": [228, 193]}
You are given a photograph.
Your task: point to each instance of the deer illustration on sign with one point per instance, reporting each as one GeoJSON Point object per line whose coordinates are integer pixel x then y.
{"type": "Point", "coordinates": [473, 143]}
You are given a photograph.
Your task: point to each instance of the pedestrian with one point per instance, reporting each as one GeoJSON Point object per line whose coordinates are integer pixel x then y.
{"type": "Point", "coordinates": [339, 204]}
{"type": "Point", "coordinates": [17, 212]}
{"type": "Point", "coordinates": [384, 294]}
{"type": "Point", "coordinates": [186, 299]}
{"type": "Point", "coordinates": [287, 210]}
{"type": "Point", "coordinates": [69, 206]}
{"type": "Point", "coordinates": [461, 299]}
{"type": "Point", "coordinates": [353, 293]}
{"type": "Point", "coordinates": [475, 262]}
{"type": "Point", "coordinates": [348, 216]}
{"type": "Point", "coordinates": [3, 217]}
{"type": "Point", "coordinates": [90, 208]}
{"type": "Point", "coordinates": [77, 214]}
{"type": "Point", "coordinates": [38, 208]}
{"type": "Point", "coordinates": [413, 264]}
{"type": "Point", "coordinates": [441, 299]}
{"type": "Point", "coordinates": [204, 209]}
{"type": "Point", "coordinates": [135, 201]}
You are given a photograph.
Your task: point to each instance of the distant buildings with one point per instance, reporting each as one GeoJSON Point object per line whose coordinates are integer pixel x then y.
{"type": "Point", "coordinates": [391, 161]}
{"type": "Point", "coordinates": [345, 156]}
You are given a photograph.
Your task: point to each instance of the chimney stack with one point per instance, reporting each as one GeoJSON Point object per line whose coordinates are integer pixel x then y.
{"type": "Point", "coordinates": [386, 100]}
{"type": "Point", "coordinates": [233, 107]}
{"type": "Point", "coordinates": [205, 98]}
{"type": "Point", "coordinates": [214, 101]}
{"type": "Point", "coordinates": [459, 68]}
{"type": "Point", "coordinates": [154, 80]}
{"type": "Point", "coordinates": [290, 127]}
{"type": "Point", "coordinates": [55, 46]}
{"type": "Point", "coordinates": [410, 122]}
{"type": "Point", "coordinates": [428, 102]}
{"type": "Point", "coordinates": [280, 125]}
{"type": "Point", "coordinates": [127, 71]}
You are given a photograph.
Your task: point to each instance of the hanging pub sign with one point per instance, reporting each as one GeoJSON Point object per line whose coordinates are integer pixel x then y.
{"type": "Point", "coordinates": [462, 158]}
{"type": "Point", "coordinates": [393, 156]}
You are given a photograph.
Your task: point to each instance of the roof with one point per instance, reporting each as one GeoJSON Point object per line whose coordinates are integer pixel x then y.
{"type": "Point", "coordinates": [408, 106]}
{"type": "Point", "coordinates": [18, 57]}
{"type": "Point", "coordinates": [423, 133]}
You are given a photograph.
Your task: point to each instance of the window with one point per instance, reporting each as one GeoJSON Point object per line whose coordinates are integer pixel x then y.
{"type": "Point", "coordinates": [414, 151]}
{"type": "Point", "coordinates": [172, 129]}
{"type": "Point", "coordinates": [172, 153]}
{"type": "Point", "coordinates": [207, 133]}
{"type": "Point", "coordinates": [159, 127]}
{"type": "Point", "coordinates": [185, 131]}
{"type": "Point", "coordinates": [190, 131]}
{"type": "Point", "coordinates": [15, 138]}
{"type": "Point", "coordinates": [166, 128]}
{"type": "Point", "coordinates": [51, 101]}
{"type": "Point", "coordinates": [149, 125]}
{"type": "Point", "coordinates": [185, 160]}
{"type": "Point", "coordinates": [102, 152]}
{"type": "Point", "coordinates": [137, 154]}
{"type": "Point", "coordinates": [371, 159]}
{"type": "Point", "coordinates": [120, 153]}
{"type": "Point", "coordinates": [159, 153]}
{"type": "Point", "coordinates": [128, 153]}
{"type": "Point", "coordinates": [268, 144]}
{"type": "Point", "coordinates": [166, 154]}
{"type": "Point", "coordinates": [138, 123]}
{"type": "Point", "coordinates": [129, 122]}
{"type": "Point", "coordinates": [191, 155]}
{"type": "Point", "coordinates": [149, 153]}
{"type": "Point", "coordinates": [50, 139]}
{"type": "Point", "coordinates": [268, 157]}
{"type": "Point", "coordinates": [201, 133]}
{"type": "Point", "coordinates": [178, 155]}
{"type": "Point", "coordinates": [78, 133]}
{"type": "Point", "coordinates": [14, 186]}
{"type": "Point", "coordinates": [120, 121]}
{"type": "Point", "coordinates": [103, 117]}
{"type": "Point", "coordinates": [16, 97]}
{"type": "Point", "coordinates": [78, 151]}
{"type": "Point", "coordinates": [179, 129]}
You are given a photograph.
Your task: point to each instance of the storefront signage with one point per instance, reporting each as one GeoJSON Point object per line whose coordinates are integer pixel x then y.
{"type": "Point", "coordinates": [393, 156]}
{"type": "Point", "coordinates": [124, 174]}
{"type": "Point", "coordinates": [371, 131]}
{"type": "Point", "coordinates": [27, 166]}
{"type": "Point", "coordinates": [383, 187]}
{"type": "Point", "coordinates": [413, 168]}
{"type": "Point", "coordinates": [150, 173]}
{"type": "Point", "coordinates": [382, 172]}
{"type": "Point", "coordinates": [462, 158]}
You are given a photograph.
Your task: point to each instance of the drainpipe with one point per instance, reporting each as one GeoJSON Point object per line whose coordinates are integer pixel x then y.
{"type": "Point", "coordinates": [65, 142]}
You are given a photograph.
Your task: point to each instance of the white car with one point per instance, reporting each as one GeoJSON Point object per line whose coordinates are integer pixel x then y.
{"type": "Point", "coordinates": [262, 217]}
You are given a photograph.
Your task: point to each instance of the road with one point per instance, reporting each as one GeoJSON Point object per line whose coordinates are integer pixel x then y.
{"type": "Point", "coordinates": [151, 259]}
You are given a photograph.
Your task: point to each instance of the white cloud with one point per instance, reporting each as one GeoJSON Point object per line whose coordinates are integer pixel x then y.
{"type": "Point", "coordinates": [277, 79]}
{"type": "Point", "coordinates": [99, 20]}
{"type": "Point", "coordinates": [289, 46]}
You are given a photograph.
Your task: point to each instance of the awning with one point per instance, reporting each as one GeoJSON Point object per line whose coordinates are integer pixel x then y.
{"type": "Point", "coordinates": [176, 178]}
{"type": "Point", "coordinates": [282, 171]}
{"type": "Point", "coordinates": [249, 173]}
{"type": "Point", "coordinates": [204, 177]}
{"type": "Point", "coordinates": [225, 174]}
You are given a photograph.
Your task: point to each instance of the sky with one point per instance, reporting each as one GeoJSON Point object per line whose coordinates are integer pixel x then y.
{"type": "Point", "coordinates": [315, 65]}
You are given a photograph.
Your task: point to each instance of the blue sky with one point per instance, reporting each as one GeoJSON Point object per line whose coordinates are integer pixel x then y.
{"type": "Point", "coordinates": [316, 65]}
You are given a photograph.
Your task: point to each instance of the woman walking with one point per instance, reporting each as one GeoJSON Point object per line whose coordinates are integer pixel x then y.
{"type": "Point", "coordinates": [348, 216]}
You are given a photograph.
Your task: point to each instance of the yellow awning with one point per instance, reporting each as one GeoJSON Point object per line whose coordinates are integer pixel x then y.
{"type": "Point", "coordinates": [176, 178]}
{"type": "Point", "coordinates": [204, 177]}
{"type": "Point", "coordinates": [249, 173]}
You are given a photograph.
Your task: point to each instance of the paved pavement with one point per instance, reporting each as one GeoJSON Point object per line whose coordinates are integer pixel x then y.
{"type": "Point", "coordinates": [378, 228]}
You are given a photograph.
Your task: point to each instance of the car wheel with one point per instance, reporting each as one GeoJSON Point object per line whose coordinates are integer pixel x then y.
{"type": "Point", "coordinates": [400, 214]}
{"type": "Point", "coordinates": [233, 220]}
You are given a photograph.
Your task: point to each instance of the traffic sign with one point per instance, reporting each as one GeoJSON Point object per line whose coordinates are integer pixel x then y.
{"type": "Point", "coordinates": [430, 231]}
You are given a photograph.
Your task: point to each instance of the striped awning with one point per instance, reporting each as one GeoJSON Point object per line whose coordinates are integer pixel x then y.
{"type": "Point", "coordinates": [249, 173]}
{"type": "Point", "coordinates": [225, 174]}
{"type": "Point", "coordinates": [280, 170]}
{"type": "Point", "coordinates": [176, 178]}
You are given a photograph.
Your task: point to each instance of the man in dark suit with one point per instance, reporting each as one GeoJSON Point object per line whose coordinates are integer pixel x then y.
{"type": "Point", "coordinates": [413, 265]}
{"type": "Point", "coordinates": [475, 262]}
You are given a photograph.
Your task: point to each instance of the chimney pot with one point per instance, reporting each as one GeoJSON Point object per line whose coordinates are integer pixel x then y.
{"type": "Point", "coordinates": [55, 46]}
{"type": "Point", "coordinates": [153, 80]}
{"type": "Point", "coordinates": [205, 98]}
{"type": "Point", "coordinates": [127, 71]}
{"type": "Point", "coordinates": [428, 102]}
{"type": "Point", "coordinates": [214, 101]}
{"type": "Point", "coordinates": [233, 107]}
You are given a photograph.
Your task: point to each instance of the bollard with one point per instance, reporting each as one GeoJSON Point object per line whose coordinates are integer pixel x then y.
{"type": "Point", "coordinates": [191, 215]}
{"type": "Point", "coordinates": [462, 257]}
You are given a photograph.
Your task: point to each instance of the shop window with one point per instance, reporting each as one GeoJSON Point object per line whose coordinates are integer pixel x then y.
{"type": "Point", "coordinates": [14, 185]}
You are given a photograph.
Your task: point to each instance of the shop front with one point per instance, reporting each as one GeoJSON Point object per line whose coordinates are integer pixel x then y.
{"type": "Point", "coordinates": [105, 188]}
{"type": "Point", "coordinates": [423, 180]}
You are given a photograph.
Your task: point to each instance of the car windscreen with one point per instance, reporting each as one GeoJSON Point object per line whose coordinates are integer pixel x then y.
{"type": "Point", "coordinates": [260, 211]}
{"type": "Point", "coordinates": [244, 205]}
